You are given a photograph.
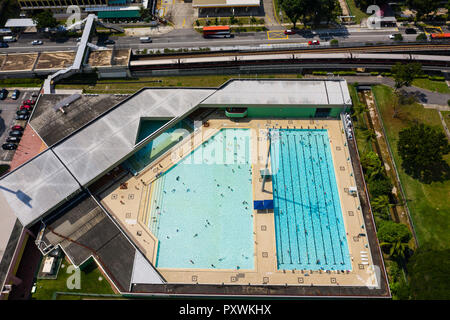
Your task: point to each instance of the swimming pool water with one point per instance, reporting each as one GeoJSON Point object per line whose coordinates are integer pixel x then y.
{"type": "Point", "coordinates": [155, 147]}
{"type": "Point", "coordinates": [201, 209]}
{"type": "Point", "coordinates": [309, 228]}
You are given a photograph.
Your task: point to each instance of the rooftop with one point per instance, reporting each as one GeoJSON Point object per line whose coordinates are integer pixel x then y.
{"type": "Point", "coordinates": [52, 125]}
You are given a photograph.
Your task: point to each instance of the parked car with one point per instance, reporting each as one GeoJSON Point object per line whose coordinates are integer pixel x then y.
{"type": "Point", "coordinates": [410, 31]}
{"type": "Point", "coordinates": [22, 117]}
{"type": "Point", "coordinates": [15, 94]}
{"type": "Point", "coordinates": [3, 94]}
{"type": "Point", "coordinates": [26, 107]}
{"type": "Point", "coordinates": [109, 41]}
{"type": "Point", "coordinates": [24, 111]}
{"type": "Point", "coordinates": [15, 133]}
{"type": "Point", "coordinates": [17, 127]}
{"type": "Point", "coordinates": [13, 139]}
{"type": "Point", "coordinates": [36, 42]}
{"type": "Point", "coordinates": [35, 94]}
{"type": "Point", "coordinates": [289, 31]}
{"type": "Point", "coordinates": [4, 45]}
{"type": "Point", "coordinates": [29, 102]}
{"type": "Point", "coordinates": [9, 146]}
{"type": "Point", "coordinates": [313, 42]}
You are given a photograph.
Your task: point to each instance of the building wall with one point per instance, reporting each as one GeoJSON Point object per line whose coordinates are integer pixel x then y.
{"type": "Point", "coordinates": [299, 112]}
{"type": "Point", "coordinates": [39, 4]}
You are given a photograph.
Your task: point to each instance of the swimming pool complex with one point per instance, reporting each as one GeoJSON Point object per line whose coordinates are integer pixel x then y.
{"type": "Point", "coordinates": [309, 229]}
{"type": "Point", "coordinates": [201, 209]}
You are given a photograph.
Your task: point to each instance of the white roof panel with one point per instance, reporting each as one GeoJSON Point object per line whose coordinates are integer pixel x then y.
{"type": "Point", "coordinates": [36, 187]}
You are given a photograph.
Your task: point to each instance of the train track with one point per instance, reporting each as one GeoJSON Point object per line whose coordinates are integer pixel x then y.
{"type": "Point", "coordinates": [382, 48]}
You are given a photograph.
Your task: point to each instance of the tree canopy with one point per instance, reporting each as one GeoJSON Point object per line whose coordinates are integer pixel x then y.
{"type": "Point", "coordinates": [424, 7]}
{"type": "Point", "coordinates": [45, 19]}
{"type": "Point", "coordinates": [391, 232]}
{"type": "Point", "coordinates": [421, 148]}
{"type": "Point", "coordinates": [404, 74]}
{"type": "Point", "coordinates": [429, 274]}
{"type": "Point", "coordinates": [310, 10]}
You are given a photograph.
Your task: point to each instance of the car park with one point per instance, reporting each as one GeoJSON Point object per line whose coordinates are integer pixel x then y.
{"type": "Point", "coordinates": [3, 94]}
{"type": "Point", "coordinates": [13, 139]}
{"type": "Point", "coordinates": [313, 42]}
{"type": "Point", "coordinates": [9, 146]}
{"type": "Point", "coordinates": [36, 42]}
{"type": "Point", "coordinates": [15, 133]}
{"type": "Point", "coordinates": [22, 117]}
{"type": "Point", "coordinates": [15, 94]}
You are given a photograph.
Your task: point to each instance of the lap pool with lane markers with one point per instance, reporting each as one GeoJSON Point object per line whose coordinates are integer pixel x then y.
{"type": "Point", "coordinates": [309, 227]}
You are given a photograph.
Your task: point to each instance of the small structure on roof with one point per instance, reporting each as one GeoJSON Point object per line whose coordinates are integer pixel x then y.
{"type": "Point", "coordinates": [20, 23]}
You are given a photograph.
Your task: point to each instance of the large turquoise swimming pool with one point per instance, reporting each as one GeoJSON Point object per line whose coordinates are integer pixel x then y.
{"type": "Point", "coordinates": [309, 226]}
{"type": "Point", "coordinates": [201, 209]}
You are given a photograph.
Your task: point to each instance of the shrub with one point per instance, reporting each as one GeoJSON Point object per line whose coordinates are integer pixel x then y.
{"type": "Point", "coordinates": [374, 73]}
{"type": "Point", "coordinates": [392, 232]}
{"type": "Point", "coordinates": [319, 73]}
{"type": "Point", "coordinates": [421, 37]}
{"type": "Point", "coordinates": [386, 74]}
{"type": "Point", "coordinates": [398, 37]}
{"type": "Point", "coordinates": [436, 78]}
{"type": "Point", "coordinates": [379, 187]}
{"type": "Point", "coordinates": [334, 42]}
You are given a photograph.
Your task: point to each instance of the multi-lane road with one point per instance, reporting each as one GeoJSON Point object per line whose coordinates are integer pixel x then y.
{"type": "Point", "coordinates": [184, 38]}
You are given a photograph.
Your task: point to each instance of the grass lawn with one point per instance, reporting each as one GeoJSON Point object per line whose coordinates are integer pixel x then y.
{"type": "Point", "coordinates": [446, 116]}
{"type": "Point", "coordinates": [89, 283]}
{"type": "Point", "coordinates": [436, 86]}
{"type": "Point", "coordinates": [131, 86]}
{"type": "Point", "coordinates": [428, 203]}
{"type": "Point", "coordinates": [355, 11]}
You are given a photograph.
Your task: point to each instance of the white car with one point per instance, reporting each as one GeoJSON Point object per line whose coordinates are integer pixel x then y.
{"type": "Point", "coordinates": [392, 36]}
{"type": "Point", "coordinates": [36, 42]}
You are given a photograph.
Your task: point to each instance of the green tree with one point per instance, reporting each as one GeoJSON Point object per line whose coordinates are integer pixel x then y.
{"type": "Point", "coordinates": [380, 206]}
{"type": "Point", "coordinates": [372, 165]}
{"type": "Point", "coordinates": [294, 9]}
{"type": "Point", "coordinates": [369, 137]}
{"type": "Point", "coordinates": [404, 74]}
{"type": "Point", "coordinates": [429, 271]}
{"type": "Point", "coordinates": [394, 237]}
{"type": "Point", "coordinates": [45, 19]}
{"type": "Point", "coordinates": [421, 148]}
{"type": "Point", "coordinates": [424, 7]}
{"type": "Point", "coordinates": [381, 186]}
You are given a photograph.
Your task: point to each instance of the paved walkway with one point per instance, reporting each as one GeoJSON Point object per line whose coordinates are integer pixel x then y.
{"type": "Point", "coordinates": [270, 19]}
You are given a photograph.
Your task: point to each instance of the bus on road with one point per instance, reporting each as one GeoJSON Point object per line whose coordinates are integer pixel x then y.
{"type": "Point", "coordinates": [217, 32]}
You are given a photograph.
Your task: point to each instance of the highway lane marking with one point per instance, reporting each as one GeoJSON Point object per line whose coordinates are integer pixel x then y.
{"type": "Point", "coordinates": [184, 22]}
{"type": "Point", "coordinates": [270, 21]}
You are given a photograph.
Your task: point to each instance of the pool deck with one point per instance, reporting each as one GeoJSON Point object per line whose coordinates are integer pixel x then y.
{"type": "Point", "coordinates": [127, 207]}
